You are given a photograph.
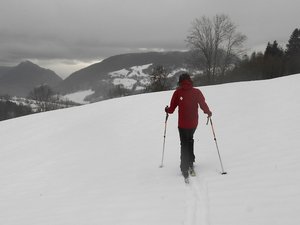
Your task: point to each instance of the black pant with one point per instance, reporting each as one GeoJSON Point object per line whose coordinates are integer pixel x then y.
{"type": "Point", "coordinates": [187, 156]}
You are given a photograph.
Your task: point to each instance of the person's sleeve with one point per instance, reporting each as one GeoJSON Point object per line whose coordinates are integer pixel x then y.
{"type": "Point", "coordinates": [202, 103]}
{"type": "Point", "coordinates": [173, 103]}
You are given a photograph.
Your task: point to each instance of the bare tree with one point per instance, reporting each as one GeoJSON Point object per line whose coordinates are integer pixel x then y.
{"type": "Point", "coordinates": [44, 97]}
{"type": "Point", "coordinates": [218, 41]}
{"type": "Point", "coordinates": [158, 79]}
{"type": "Point", "coordinates": [201, 39]}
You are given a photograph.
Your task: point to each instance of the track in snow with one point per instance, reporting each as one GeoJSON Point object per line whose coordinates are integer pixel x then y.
{"type": "Point", "coordinates": [197, 207]}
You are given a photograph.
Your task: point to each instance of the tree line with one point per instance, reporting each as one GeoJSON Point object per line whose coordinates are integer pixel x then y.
{"type": "Point", "coordinates": [41, 99]}
{"type": "Point", "coordinates": [46, 99]}
{"type": "Point", "coordinates": [217, 50]}
{"type": "Point", "coordinates": [274, 62]}
{"type": "Point", "coordinates": [9, 109]}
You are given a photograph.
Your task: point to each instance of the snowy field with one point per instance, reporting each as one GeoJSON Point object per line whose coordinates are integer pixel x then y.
{"type": "Point", "coordinates": [98, 164]}
{"type": "Point", "coordinates": [79, 96]}
{"type": "Point", "coordinates": [128, 78]}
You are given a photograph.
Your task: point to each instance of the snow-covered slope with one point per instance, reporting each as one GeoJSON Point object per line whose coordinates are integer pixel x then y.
{"type": "Point", "coordinates": [99, 163]}
{"type": "Point", "coordinates": [79, 96]}
{"type": "Point", "coordinates": [128, 78]}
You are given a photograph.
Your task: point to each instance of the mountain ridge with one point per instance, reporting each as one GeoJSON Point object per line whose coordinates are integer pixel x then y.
{"type": "Point", "coordinates": [21, 79]}
{"type": "Point", "coordinates": [97, 76]}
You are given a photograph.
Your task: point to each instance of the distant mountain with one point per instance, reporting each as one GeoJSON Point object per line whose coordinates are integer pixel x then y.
{"type": "Point", "coordinates": [3, 70]}
{"type": "Point", "coordinates": [21, 79]}
{"type": "Point", "coordinates": [129, 70]}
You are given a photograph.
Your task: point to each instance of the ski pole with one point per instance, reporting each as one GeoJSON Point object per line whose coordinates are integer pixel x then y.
{"type": "Point", "coordinates": [163, 152]}
{"type": "Point", "coordinates": [213, 130]}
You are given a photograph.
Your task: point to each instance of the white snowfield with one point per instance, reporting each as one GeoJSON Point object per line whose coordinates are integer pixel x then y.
{"type": "Point", "coordinates": [128, 78]}
{"type": "Point", "coordinates": [99, 163]}
{"type": "Point", "coordinates": [79, 96]}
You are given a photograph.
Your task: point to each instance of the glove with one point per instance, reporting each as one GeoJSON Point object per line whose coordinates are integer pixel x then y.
{"type": "Point", "coordinates": [167, 109]}
{"type": "Point", "coordinates": [209, 114]}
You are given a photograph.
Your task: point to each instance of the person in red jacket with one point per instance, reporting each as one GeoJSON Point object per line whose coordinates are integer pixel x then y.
{"type": "Point", "coordinates": [188, 99]}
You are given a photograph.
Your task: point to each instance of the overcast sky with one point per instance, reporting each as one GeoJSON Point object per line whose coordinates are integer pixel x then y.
{"type": "Point", "coordinates": [66, 35]}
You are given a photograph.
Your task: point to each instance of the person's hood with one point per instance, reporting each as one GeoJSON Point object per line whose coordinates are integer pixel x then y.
{"type": "Point", "coordinates": [186, 84]}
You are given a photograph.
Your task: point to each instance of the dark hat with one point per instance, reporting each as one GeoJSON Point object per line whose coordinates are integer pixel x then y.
{"type": "Point", "coordinates": [184, 76]}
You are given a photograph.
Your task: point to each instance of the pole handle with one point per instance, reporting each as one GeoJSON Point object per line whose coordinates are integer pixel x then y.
{"type": "Point", "coordinates": [167, 116]}
{"type": "Point", "coordinates": [207, 120]}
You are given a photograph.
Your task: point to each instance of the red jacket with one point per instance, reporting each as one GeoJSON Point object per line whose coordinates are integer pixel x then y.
{"type": "Point", "coordinates": [187, 98]}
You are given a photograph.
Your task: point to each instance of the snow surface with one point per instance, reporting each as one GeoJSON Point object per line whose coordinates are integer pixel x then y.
{"type": "Point", "coordinates": [79, 96]}
{"type": "Point", "coordinates": [99, 163]}
{"type": "Point", "coordinates": [128, 78]}
{"type": "Point", "coordinates": [125, 82]}
{"type": "Point", "coordinates": [119, 73]}
{"type": "Point", "coordinates": [135, 71]}
{"type": "Point", "coordinates": [172, 74]}
{"type": "Point", "coordinates": [138, 71]}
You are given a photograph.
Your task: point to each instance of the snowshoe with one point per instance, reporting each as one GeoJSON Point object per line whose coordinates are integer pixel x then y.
{"type": "Point", "coordinates": [192, 171]}
{"type": "Point", "coordinates": [186, 177]}
{"type": "Point", "coordinates": [186, 180]}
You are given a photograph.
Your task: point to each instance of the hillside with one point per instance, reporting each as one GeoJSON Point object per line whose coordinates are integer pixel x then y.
{"type": "Point", "coordinates": [3, 70]}
{"type": "Point", "coordinates": [21, 79]}
{"type": "Point", "coordinates": [99, 163]}
{"type": "Point", "coordinates": [102, 77]}
{"type": "Point", "coordinates": [129, 72]}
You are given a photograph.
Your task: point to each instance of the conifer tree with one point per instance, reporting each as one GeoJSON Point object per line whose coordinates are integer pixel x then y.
{"type": "Point", "coordinates": [273, 61]}
{"type": "Point", "coordinates": [293, 52]}
{"type": "Point", "coordinates": [293, 47]}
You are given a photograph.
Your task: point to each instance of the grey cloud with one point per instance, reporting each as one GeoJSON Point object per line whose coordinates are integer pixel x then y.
{"type": "Point", "coordinates": [86, 30]}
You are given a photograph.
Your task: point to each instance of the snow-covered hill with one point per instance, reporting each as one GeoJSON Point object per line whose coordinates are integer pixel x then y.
{"type": "Point", "coordinates": [99, 163]}
{"type": "Point", "coordinates": [134, 76]}
{"type": "Point", "coordinates": [130, 72]}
